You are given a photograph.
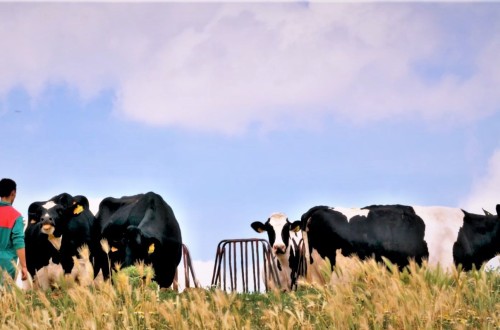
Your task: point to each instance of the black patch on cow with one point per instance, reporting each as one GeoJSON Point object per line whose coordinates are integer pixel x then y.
{"type": "Point", "coordinates": [478, 240]}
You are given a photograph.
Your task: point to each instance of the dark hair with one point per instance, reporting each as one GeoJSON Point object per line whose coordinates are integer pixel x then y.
{"type": "Point", "coordinates": [6, 187]}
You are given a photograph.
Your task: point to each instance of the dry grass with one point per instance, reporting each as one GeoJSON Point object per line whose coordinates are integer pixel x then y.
{"type": "Point", "coordinates": [358, 296]}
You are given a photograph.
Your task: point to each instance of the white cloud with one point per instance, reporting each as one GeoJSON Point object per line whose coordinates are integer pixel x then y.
{"type": "Point", "coordinates": [226, 67]}
{"type": "Point", "coordinates": [485, 192]}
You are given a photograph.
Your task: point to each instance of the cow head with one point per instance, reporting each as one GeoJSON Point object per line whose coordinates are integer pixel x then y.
{"type": "Point", "coordinates": [138, 246]}
{"type": "Point", "coordinates": [278, 229]}
{"type": "Point", "coordinates": [45, 215]}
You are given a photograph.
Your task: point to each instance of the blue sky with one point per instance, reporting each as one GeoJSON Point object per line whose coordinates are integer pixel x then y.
{"type": "Point", "coordinates": [234, 111]}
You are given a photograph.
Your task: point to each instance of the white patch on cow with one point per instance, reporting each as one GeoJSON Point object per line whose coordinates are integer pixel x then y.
{"type": "Point", "coordinates": [49, 276]}
{"type": "Point", "coordinates": [55, 241]}
{"type": "Point", "coordinates": [493, 265]}
{"type": "Point", "coordinates": [82, 272]}
{"type": "Point", "coordinates": [278, 221]}
{"type": "Point", "coordinates": [315, 271]}
{"type": "Point", "coordinates": [351, 212]}
{"type": "Point", "coordinates": [441, 231]}
{"type": "Point", "coordinates": [49, 205]}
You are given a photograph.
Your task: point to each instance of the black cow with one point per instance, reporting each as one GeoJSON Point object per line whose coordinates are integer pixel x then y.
{"type": "Point", "coordinates": [76, 228]}
{"type": "Point", "coordinates": [442, 235]}
{"type": "Point", "coordinates": [141, 227]}
{"type": "Point", "coordinates": [56, 229]}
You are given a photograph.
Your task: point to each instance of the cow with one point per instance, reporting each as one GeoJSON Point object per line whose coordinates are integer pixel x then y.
{"type": "Point", "coordinates": [285, 239]}
{"type": "Point", "coordinates": [41, 238]}
{"type": "Point", "coordinates": [76, 227]}
{"type": "Point", "coordinates": [57, 228]}
{"type": "Point", "coordinates": [443, 236]}
{"type": "Point", "coordinates": [138, 228]}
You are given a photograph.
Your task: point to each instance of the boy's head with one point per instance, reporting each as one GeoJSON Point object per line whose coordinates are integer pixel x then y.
{"type": "Point", "coordinates": [7, 186]}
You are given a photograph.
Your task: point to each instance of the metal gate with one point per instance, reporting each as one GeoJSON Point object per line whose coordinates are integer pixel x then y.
{"type": "Point", "coordinates": [188, 271]}
{"type": "Point", "coordinates": [248, 260]}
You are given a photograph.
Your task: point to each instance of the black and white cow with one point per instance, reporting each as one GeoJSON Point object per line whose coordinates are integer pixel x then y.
{"type": "Point", "coordinates": [140, 228]}
{"type": "Point", "coordinates": [41, 239]}
{"type": "Point", "coordinates": [57, 228]}
{"type": "Point", "coordinates": [444, 236]}
{"type": "Point", "coordinates": [285, 239]}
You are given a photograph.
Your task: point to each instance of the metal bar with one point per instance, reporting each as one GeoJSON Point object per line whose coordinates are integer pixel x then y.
{"type": "Point", "coordinates": [253, 266]}
{"type": "Point", "coordinates": [227, 258]}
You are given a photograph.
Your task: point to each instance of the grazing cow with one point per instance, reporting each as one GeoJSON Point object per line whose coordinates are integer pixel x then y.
{"type": "Point", "coordinates": [285, 239]}
{"type": "Point", "coordinates": [141, 227]}
{"type": "Point", "coordinates": [57, 228]}
{"type": "Point", "coordinates": [442, 235]}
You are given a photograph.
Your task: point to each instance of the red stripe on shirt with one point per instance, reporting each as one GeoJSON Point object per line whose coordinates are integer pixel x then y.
{"type": "Point", "coordinates": [8, 216]}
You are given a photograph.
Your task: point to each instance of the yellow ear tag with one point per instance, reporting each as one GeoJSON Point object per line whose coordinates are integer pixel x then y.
{"type": "Point", "coordinates": [151, 248]}
{"type": "Point", "coordinates": [113, 249]}
{"type": "Point", "coordinates": [296, 229]}
{"type": "Point", "coordinates": [33, 221]}
{"type": "Point", "coordinates": [78, 209]}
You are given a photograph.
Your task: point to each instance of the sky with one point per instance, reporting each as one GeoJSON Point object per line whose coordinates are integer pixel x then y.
{"type": "Point", "coordinates": [233, 111]}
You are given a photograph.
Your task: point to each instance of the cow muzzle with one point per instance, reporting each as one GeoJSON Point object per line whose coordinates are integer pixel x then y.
{"type": "Point", "coordinates": [48, 227]}
{"type": "Point", "coordinates": [279, 249]}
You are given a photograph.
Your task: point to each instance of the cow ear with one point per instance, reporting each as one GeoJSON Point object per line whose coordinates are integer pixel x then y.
{"type": "Point", "coordinates": [33, 211]}
{"type": "Point", "coordinates": [151, 248]}
{"type": "Point", "coordinates": [81, 200]}
{"type": "Point", "coordinates": [77, 209]}
{"type": "Point", "coordinates": [295, 226]}
{"type": "Point", "coordinates": [152, 244]}
{"type": "Point", "coordinates": [258, 226]}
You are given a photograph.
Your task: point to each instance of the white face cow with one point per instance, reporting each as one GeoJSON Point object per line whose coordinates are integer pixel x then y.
{"type": "Point", "coordinates": [284, 238]}
{"type": "Point", "coordinates": [280, 232]}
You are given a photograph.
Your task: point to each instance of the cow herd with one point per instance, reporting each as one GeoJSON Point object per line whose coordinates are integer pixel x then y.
{"type": "Point", "coordinates": [124, 231]}
{"type": "Point", "coordinates": [143, 227]}
{"type": "Point", "coordinates": [443, 236]}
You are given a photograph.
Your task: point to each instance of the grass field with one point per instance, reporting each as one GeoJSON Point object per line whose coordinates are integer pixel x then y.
{"type": "Point", "coordinates": [362, 296]}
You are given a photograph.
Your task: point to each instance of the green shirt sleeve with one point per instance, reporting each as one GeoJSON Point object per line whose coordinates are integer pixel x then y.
{"type": "Point", "coordinates": [18, 234]}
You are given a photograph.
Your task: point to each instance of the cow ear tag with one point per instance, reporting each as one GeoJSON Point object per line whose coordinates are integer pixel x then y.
{"type": "Point", "coordinates": [33, 221]}
{"type": "Point", "coordinates": [151, 248]}
{"type": "Point", "coordinates": [78, 209]}
{"type": "Point", "coordinates": [296, 229]}
{"type": "Point", "coordinates": [113, 249]}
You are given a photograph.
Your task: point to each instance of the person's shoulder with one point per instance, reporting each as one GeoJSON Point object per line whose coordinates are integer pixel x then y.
{"type": "Point", "coordinates": [10, 210]}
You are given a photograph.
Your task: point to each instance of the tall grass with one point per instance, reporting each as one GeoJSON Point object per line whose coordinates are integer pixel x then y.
{"type": "Point", "coordinates": [361, 295]}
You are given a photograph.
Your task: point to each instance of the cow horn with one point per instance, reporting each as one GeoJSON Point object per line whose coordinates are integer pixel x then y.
{"type": "Point", "coordinates": [486, 212]}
